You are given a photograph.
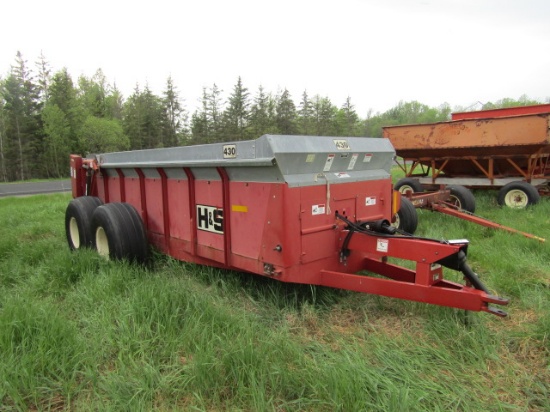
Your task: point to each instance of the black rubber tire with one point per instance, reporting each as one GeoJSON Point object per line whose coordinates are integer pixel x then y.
{"type": "Point", "coordinates": [518, 195]}
{"type": "Point", "coordinates": [463, 198]}
{"type": "Point", "coordinates": [408, 183]}
{"type": "Point", "coordinates": [119, 233]}
{"type": "Point", "coordinates": [406, 219]}
{"type": "Point", "coordinates": [78, 221]}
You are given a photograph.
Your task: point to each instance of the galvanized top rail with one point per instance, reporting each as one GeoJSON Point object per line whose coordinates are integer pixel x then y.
{"type": "Point", "coordinates": [353, 158]}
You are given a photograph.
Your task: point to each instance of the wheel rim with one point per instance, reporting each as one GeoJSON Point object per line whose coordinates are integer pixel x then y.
{"type": "Point", "coordinates": [455, 201]}
{"type": "Point", "coordinates": [74, 233]}
{"type": "Point", "coordinates": [101, 242]}
{"type": "Point", "coordinates": [397, 221]}
{"type": "Point", "coordinates": [516, 198]}
{"type": "Point", "coordinates": [403, 189]}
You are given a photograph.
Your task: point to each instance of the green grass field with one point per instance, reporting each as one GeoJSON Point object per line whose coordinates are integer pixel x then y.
{"type": "Point", "coordinates": [83, 334]}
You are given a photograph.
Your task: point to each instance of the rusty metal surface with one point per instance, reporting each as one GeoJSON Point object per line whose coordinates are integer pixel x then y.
{"type": "Point", "coordinates": [506, 136]}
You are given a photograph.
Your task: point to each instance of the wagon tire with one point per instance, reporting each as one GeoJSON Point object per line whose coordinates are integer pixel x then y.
{"type": "Point", "coordinates": [406, 219]}
{"type": "Point", "coordinates": [462, 198]}
{"type": "Point", "coordinates": [518, 195]}
{"type": "Point", "coordinates": [78, 221]}
{"type": "Point", "coordinates": [408, 183]}
{"type": "Point", "coordinates": [119, 233]}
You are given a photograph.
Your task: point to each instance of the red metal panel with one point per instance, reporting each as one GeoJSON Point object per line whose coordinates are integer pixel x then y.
{"type": "Point", "coordinates": [122, 185]}
{"type": "Point", "coordinates": [209, 205]}
{"type": "Point", "coordinates": [503, 112]}
{"type": "Point", "coordinates": [114, 189]}
{"type": "Point", "coordinates": [178, 208]}
{"type": "Point", "coordinates": [155, 211]}
{"type": "Point", "coordinates": [256, 206]}
{"type": "Point", "coordinates": [133, 194]}
{"type": "Point", "coordinates": [100, 186]}
{"type": "Point", "coordinates": [78, 176]}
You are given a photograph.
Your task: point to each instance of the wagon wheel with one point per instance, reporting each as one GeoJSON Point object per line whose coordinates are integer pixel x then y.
{"type": "Point", "coordinates": [408, 183]}
{"type": "Point", "coordinates": [406, 219]}
{"type": "Point", "coordinates": [78, 221]}
{"type": "Point", "coordinates": [462, 198]}
{"type": "Point", "coordinates": [518, 195]}
{"type": "Point", "coordinates": [119, 233]}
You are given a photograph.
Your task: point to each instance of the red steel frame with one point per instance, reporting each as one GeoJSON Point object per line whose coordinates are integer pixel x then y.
{"type": "Point", "coordinates": [270, 229]}
{"type": "Point", "coordinates": [439, 201]}
{"type": "Point", "coordinates": [537, 166]}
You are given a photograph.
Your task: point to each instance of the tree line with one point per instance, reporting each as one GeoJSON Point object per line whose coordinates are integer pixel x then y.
{"type": "Point", "coordinates": [46, 115]}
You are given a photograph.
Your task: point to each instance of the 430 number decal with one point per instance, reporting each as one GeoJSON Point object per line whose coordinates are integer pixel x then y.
{"type": "Point", "coordinates": [229, 151]}
{"type": "Point", "coordinates": [341, 144]}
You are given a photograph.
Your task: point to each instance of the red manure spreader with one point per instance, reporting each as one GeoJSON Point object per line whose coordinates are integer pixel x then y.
{"type": "Point", "coordinates": [300, 209]}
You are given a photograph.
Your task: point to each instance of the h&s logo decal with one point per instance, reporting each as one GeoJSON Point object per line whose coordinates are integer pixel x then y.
{"type": "Point", "coordinates": [210, 219]}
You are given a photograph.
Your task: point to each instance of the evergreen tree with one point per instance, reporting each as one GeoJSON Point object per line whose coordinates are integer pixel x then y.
{"type": "Point", "coordinates": [236, 114]}
{"type": "Point", "coordinates": [214, 114]}
{"type": "Point", "coordinates": [347, 120]}
{"type": "Point", "coordinates": [114, 103]}
{"type": "Point", "coordinates": [262, 114]}
{"type": "Point", "coordinates": [57, 142]}
{"type": "Point", "coordinates": [44, 77]}
{"type": "Point", "coordinates": [63, 95]}
{"type": "Point", "coordinates": [133, 114]}
{"type": "Point", "coordinates": [324, 113]}
{"type": "Point", "coordinates": [93, 93]}
{"type": "Point", "coordinates": [305, 115]}
{"type": "Point", "coordinates": [3, 167]}
{"type": "Point", "coordinates": [200, 132]}
{"type": "Point", "coordinates": [142, 120]}
{"type": "Point", "coordinates": [23, 131]}
{"type": "Point", "coordinates": [286, 114]}
{"type": "Point", "coordinates": [174, 116]}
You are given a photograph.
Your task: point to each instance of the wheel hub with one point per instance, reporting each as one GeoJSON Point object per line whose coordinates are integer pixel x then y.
{"type": "Point", "coordinates": [74, 233]}
{"type": "Point", "coordinates": [102, 244]}
{"type": "Point", "coordinates": [516, 198]}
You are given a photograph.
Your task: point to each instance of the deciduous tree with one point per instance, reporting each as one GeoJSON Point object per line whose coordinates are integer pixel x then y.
{"type": "Point", "coordinates": [103, 135]}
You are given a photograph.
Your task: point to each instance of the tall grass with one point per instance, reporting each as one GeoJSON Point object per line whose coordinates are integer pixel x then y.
{"type": "Point", "coordinates": [80, 333]}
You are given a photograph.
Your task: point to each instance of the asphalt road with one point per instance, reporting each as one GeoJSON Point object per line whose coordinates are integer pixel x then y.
{"type": "Point", "coordinates": [26, 189]}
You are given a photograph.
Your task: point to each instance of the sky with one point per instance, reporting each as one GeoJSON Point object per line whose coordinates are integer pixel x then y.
{"type": "Point", "coordinates": [377, 52]}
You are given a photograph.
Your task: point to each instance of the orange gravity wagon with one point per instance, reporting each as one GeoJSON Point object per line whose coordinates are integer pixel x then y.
{"type": "Point", "coordinates": [506, 149]}
{"type": "Point", "coordinates": [301, 209]}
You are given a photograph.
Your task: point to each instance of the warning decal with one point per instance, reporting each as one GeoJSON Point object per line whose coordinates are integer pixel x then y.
{"type": "Point", "coordinates": [328, 163]}
{"type": "Point", "coordinates": [382, 245]}
{"type": "Point", "coordinates": [318, 210]}
{"type": "Point", "coordinates": [352, 161]}
{"type": "Point", "coordinates": [341, 175]}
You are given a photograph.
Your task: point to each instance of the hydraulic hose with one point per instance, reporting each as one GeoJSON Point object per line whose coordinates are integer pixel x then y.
{"type": "Point", "coordinates": [469, 273]}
